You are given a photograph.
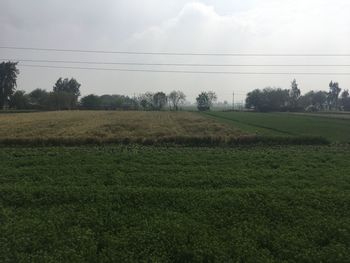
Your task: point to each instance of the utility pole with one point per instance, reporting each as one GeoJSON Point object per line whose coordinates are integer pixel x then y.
{"type": "Point", "coordinates": [233, 100]}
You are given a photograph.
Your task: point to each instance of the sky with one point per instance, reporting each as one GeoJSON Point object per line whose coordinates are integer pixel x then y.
{"type": "Point", "coordinates": [211, 26]}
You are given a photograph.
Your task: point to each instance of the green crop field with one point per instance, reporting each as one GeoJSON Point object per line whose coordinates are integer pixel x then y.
{"type": "Point", "coordinates": [157, 204]}
{"type": "Point", "coordinates": [335, 127]}
{"type": "Point", "coordinates": [126, 202]}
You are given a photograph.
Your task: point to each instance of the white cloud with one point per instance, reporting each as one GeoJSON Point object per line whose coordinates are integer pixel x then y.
{"type": "Point", "coordinates": [285, 26]}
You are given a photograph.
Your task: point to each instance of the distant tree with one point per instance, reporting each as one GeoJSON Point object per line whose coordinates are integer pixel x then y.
{"type": "Point", "coordinates": [91, 101]}
{"type": "Point", "coordinates": [19, 100]}
{"type": "Point", "coordinates": [294, 95]}
{"type": "Point", "coordinates": [159, 100]}
{"type": "Point", "coordinates": [38, 98]}
{"type": "Point", "coordinates": [314, 101]}
{"type": "Point", "coordinates": [333, 95]}
{"type": "Point", "coordinates": [8, 81]}
{"type": "Point", "coordinates": [205, 100]}
{"type": "Point", "coordinates": [61, 101]}
{"type": "Point", "coordinates": [268, 99]}
{"type": "Point", "coordinates": [345, 100]}
{"type": "Point", "coordinates": [66, 94]}
{"type": "Point", "coordinates": [176, 98]}
{"type": "Point", "coordinates": [117, 102]}
{"type": "Point", "coordinates": [146, 101]}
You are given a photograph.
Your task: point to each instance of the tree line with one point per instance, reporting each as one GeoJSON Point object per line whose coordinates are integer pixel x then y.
{"type": "Point", "coordinates": [66, 92]}
{"type": "Point", "coordinates": [277, 99]}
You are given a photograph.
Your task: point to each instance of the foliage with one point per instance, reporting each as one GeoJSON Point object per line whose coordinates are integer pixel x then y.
{"type": "Point", "coordinates": [268, 99]}
{"type": "Point", "coordinates": [176, 98]}
{"type": "Point", "coordinates": [333, 96]}
{"type": "Point", "coordinates": [205, 100]}
{"type": "Point", "coordinates": [345, 100]}
{"type": "Point", "coordinates": [8, 81]}
{"type": "Point", "coordinates": [65, 94]}
{"type": "Point", "coordinates": [19, 100]}
{"type": "Point", "coordinates": [136, 204]}
{"type": "Point", "coordinates": [314, 99]}
{"type": "Point", "coordinates": [90, 102]}
{"type": "Point", "coordinates": [294, 95]}
{"type": "Point", "coordinates": [39, 99]}
{"type": "Point", "coordinates": [159, 101]}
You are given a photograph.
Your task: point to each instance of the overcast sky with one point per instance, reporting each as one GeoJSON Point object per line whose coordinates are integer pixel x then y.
{"type": "Point", "coordinates": [211, 26]}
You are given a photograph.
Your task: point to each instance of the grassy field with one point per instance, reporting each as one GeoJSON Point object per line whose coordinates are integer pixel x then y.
{"type": "Point", "coordinates": [134, 203]}
{"type": "Point", "coordinates": [156, 204]}
{"type": "Point", "coordinates": [334, 127]}
{"type": "Point", "coordinates": [109, 126]}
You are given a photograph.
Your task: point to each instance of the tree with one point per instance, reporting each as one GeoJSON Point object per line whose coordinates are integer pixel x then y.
{"type": "Point", "coordinates": [314, 100]}
{"type": "Point", "coordinates": [176, 98]}
{"type": "Point", "coordinates": [345, 100]}
{"type": "Point", "coordinates": [146, 100]}
{"type": "Point", "coordinates": [294, 95]}
{"type": "Point", "coordinates": [66, 93]}
{"type": "Point", "coordinates": [333, 95]}
{"type": "Point", "coordinates": [159, 100]}
{"type": "Point", "coordinates": [91, 101]}
{"type": "Point", "coordinates": [268, 99]}
{"type": "Point", "coordinates": [38, 98]}
{"type": "Point", "coordinates": [19, 100]}
{"type": "Point", "coordinates": [8, 81]}
{"type": "Point", "coordinates": [205, 100]}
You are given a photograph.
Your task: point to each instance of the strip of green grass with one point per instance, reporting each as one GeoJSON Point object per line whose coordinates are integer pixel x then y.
{"type": "Point", "coordinates": [147, 204]}
{"type": "Point", "coordinates": [286, 124]}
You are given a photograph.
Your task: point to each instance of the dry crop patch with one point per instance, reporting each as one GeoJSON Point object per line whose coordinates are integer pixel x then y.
{"type": "Point", "coordinates": [110, 126]}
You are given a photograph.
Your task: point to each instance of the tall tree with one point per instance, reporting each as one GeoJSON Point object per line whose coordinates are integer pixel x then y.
{"type": "Point", "coordinates": [159, 100]}
{"type": "Point", "coordinates": [345, 100]}
{"type": "Point", "coordinates": [8, 81]}
{"type": "Point", "coordinates": [66, 93]}
{"type": "Point", "coordinates": [294, 94]}
{"type": "Point", "coordinates": [146, 100]}
{"type": "Point", "coordinates": [176, 98]}
{"type": "Point", "coordinates": [205, 100]}
{"type": "Point", "coordinates": [333, 95]}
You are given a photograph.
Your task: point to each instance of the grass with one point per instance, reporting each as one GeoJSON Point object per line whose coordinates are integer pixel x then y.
{"type": "Point", "coordinates": [332, 127]}
{"type": "Point", "coordinates": [159, 204]}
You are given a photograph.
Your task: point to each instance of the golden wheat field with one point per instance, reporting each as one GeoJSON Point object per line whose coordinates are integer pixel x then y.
{"type": "Point", "coordinates": [109, 125]}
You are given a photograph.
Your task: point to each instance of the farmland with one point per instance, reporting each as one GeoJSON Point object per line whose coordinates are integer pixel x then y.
{"type": "Point", "coordinates": [112, 202]}
{"type": "Point", "coordinates": [135, 204]}
{"type": "Point", "coordinates": [335, 127]}
{"type": "Point", "coordinates": [109, 126]}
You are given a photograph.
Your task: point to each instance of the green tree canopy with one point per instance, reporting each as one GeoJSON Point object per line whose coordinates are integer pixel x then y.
{"type": "Point", "coordinates": [8, 81]}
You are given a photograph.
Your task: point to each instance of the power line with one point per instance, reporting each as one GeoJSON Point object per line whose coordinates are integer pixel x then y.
{"type": "Point", "coordinates": [187, 71]}
{"type": "Point", "coordinates": [176, 53]}
{"type": "Point", "coordinates": [175, 64]}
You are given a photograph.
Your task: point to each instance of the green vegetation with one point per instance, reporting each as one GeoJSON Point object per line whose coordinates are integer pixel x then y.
{"type": "Point", "coordinates": [332, 127]}
{"type": "Point", "coordinates": [147, 204]}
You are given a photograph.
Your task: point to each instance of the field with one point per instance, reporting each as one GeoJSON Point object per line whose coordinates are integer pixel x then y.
{"type": "Point", "coordinates": [107, 126]}
{"type": "Point", "coordinates": [156, 204]}
{"type": "Point", "coordinates": [112, 202]}
{"type": "Point", "coordinates": [335, 127]}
